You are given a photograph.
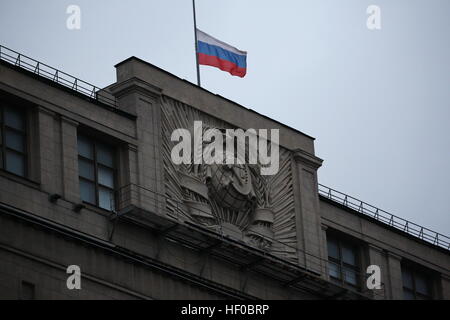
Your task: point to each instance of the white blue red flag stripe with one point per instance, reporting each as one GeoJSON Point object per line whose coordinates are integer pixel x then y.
{"type": "Point", "coordinates": [213, 52]}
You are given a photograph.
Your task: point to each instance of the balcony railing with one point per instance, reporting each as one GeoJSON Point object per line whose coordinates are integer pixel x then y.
{"type": "Point", "coordinates": [386, 217]}
{"type": "Point", "coordinates": [41, 69]}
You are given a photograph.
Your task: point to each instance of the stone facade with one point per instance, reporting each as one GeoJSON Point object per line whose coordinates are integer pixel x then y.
{"type": "Point", "coordinates": [171, 236]}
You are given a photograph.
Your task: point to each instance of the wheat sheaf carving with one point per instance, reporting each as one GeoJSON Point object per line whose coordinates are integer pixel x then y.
{"type": "Point", "coordinates": [267, 220]}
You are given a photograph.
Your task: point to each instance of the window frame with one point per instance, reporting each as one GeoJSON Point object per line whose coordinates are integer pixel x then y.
{"type": "Point", "coordinates": [95, 142]}
{"type": "Point", "coordinates": [415, 271]}
{"type": "Point", "coordinates": [24, 286]}
{"type": "Point", "coordinates": [24, 133]}
{"type": "Point", "coordinates": [356, 248]}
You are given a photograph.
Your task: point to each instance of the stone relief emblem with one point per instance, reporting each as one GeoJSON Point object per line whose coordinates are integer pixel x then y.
{"type": "Point", "coordinates": [234, 199]}
{"type": "Point", "coordinates": [232, 196]}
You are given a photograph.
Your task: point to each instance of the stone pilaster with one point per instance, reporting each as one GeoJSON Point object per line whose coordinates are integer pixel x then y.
{"type": "Point", "coordinates": [377, 257]}
{"type": "Point", "coordinates": [145, 163]}
{"type": "Point", "coordinates": [395, 276]}
{"type": "Point", "coordinates": [308, 221]}
{"type": "Point", "coordinates": [49, 138]}
{"type": "Point", "coordinates": [445, 287]}
{"type": "Point", "coordinates": [70, 181]}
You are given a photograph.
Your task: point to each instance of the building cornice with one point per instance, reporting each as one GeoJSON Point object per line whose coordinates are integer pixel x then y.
{"type": "Point", "coordinates": [134, 85]}
{"type": "Point", "coordinates": [307, 159]}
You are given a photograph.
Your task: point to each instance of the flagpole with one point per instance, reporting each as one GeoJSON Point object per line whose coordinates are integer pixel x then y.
{"type": "Point", "coordinates": [196, 45]}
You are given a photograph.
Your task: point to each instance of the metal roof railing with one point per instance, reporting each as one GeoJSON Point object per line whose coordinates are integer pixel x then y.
{"type": "Point", "coordinates": [22, 61]}
{"type": "Point", "coordinates": [41, 69]}
{"type": "Point", "coordinates": [385, 217]}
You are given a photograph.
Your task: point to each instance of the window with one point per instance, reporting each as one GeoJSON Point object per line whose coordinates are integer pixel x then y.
{"type": "Point", "coordinates": [27, 291]}
{"type": "Point", "coordinates": [96, 167]}
{"type": "Point", "coordinates": [343, 265]}
{"type": "Point", "coordinates": [13, 147]}
{"type": "Point", "coordinates": [416, 284]}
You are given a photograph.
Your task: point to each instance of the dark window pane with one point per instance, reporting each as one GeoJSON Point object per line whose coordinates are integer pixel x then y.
{"type": "Point", "coordinates": [334, 270]}
{"type": "Point", "coordinates": [14, 119]}
{"type": "Point", "coordinates": [15, 163]}
{"type": "Point", "coordinates": [421, 284]}
{"type": "Point", "coordinates": [349, 255]}
{"type": "Point", "coordinates": [350, 276]}
{"type": "Point", "coordinates": [106, 199]}
{"type": "Point", "coordinates": [99, 171]}
{"type": "Point", "coordinates": [407, 279]}
{"type": "Point", "coordinates": [1, 159]}
{"type": "Point", "coordinates": [87, 191]}
{"type": "Point", "coordinates": [14, 140]}
{"type": "Point", "coordinates": [105, 155]}
{"type": "Point", "coordinates": [85, 148]}
{"type": "Point", "coordinates": [27, 291]}
{"type": "Point", "coordinates": [106, 177]}
{"type": "Point", "coordinates": [408, 295]}
{"type": "Point", "coordinates": [86, 169]}
{"type": "Point", "coordinates": [333, 250]}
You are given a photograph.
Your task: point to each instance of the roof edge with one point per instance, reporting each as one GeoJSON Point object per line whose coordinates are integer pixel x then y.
{"type": "Point", "coordinates": [211, 93]}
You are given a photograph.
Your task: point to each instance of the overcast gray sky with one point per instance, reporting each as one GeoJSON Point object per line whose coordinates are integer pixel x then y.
{"type": "Point", "coordinates": [377, 102]}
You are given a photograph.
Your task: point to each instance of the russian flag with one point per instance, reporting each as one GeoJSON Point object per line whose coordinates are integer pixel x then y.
{"type": "Point", "coordinates": [215, 53]}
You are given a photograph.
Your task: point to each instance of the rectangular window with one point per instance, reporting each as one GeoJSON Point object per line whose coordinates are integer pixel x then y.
{"type": "Point", "coordinates": [416, 284]}
{"type": "Point", "coordinates": [97, 173]}
{"type": "Point", "coordinates": [13, 140]}
{"type": "Point", "coordinates": [27, 291]}
{"type": "Point", "coordinates": [343, 265]}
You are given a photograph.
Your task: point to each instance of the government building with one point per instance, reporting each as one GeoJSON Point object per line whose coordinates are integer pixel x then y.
{"type": "Point", "coordinates": [87, 180]}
